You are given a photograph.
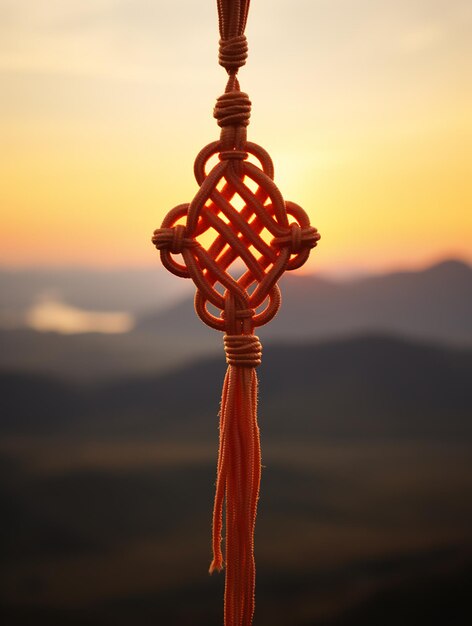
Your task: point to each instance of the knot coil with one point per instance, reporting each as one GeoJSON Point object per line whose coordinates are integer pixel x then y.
{"type": "Point", "coordinates": [237, 155]}
{"type": "Point", "coordinates": [172, 239]}
{"type": "Point", "coordinates": [233, 108]}
{"type": "Point", "coordinates": [242, 314]}
{"type": "Point", "coordinates": [297, 238]}
{"type": "Point", "coordinates": [233, 53]}
{"type": "Point", "coordinates": [243, 350]}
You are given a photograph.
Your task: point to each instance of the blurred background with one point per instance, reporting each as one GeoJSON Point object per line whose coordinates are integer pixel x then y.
{"type": "Point", "coordinates": [110, 385]}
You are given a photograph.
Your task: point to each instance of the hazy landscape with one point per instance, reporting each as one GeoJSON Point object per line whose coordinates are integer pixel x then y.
{"type": "Point", "coordinates": [110, 385]}
{"type": "Point", "coordinates": [432, 305]}
{"type": "Point", "coordinates": [108, 452]}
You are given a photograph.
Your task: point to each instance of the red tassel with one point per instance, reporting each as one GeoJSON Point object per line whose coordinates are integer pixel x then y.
{"type": "Point", "coordinates": [238, 478]}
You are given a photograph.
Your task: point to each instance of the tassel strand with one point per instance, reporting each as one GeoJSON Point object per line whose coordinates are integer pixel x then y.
{"type": "Point", "coordinates": [238, 479]}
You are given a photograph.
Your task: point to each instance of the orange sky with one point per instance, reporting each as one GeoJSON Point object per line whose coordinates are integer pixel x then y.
{"type": "Point", "coordinates": [365, 111]}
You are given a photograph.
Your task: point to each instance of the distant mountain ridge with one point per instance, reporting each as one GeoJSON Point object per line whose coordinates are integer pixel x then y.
{"type": "Point", "coordinates": [433, 304]}
{"type": "Point", "coordinates": [366, 388]}
{"type": "Point", "coordinates": [130, 290]}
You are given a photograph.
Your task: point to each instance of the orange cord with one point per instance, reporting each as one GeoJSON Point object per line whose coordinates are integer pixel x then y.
{"type": "Point", "coordinates": [238, 477]}
{"type": "Point", "coordinates": [244, 303]}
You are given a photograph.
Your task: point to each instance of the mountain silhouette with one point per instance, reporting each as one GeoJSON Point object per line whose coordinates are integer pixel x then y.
{"type": "Point", "coordinates": [434, 304]}
{"type": "Point", "coordinates": [365, 387]}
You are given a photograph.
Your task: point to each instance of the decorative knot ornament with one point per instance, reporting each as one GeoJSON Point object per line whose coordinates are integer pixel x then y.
{"type": "Point", "coordinates": [235, 240]}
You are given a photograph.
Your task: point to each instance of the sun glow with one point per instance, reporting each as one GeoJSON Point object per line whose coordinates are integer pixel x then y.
{"type": "Point", "coordinates": [371, 139]}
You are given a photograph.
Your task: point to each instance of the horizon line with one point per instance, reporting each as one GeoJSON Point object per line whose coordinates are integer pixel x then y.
{"type": "Point", "coordinates": [339, 272]}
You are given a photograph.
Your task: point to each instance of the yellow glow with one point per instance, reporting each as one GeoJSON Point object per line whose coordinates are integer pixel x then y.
{"type": "Point", "coordinates": [371, 136]}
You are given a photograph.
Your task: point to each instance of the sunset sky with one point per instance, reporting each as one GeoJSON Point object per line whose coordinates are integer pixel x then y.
{"type": "Point", "coordinates": [365, 108]}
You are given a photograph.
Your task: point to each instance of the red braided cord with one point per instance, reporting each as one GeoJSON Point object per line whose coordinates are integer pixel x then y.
{"type": "Point", "coordinates": [244, 303]}
{"type": "Point", "coordinates": [236, 231]}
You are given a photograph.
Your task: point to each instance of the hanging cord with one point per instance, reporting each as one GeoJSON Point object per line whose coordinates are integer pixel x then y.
{"type": "Point", "coordinates": [232, 18]}
{"type": "Point", "coordinates": [233, 108]}
{"type": "Point", "coordinates": [245, 303]}
{"type": "Point", "coordinates": [238, 478]}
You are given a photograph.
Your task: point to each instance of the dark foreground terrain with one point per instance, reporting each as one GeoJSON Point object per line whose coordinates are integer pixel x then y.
{"type": "Point", "coordinates": [365, 514]}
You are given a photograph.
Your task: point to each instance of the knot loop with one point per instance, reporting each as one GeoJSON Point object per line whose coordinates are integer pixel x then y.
{"type": "Point", "coordinates": [172, 239]}
{"type": "Point", "coordinates": [233, 53]}
{"type": "Point", "coordinates": [233, 108]}
{"type": "Point", "coordinates": [243, 350]}
{"type": "Point", "coordinates": [297, 238]}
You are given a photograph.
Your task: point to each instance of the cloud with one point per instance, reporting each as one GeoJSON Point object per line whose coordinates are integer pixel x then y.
{"type": "Point", "coordinates": [49, 313]}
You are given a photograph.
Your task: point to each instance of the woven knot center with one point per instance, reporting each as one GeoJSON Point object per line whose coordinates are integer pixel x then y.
{"type": "Point", "coordinates": [243, 350]}
{"type": "Point", "coordinates": [233, 53]}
